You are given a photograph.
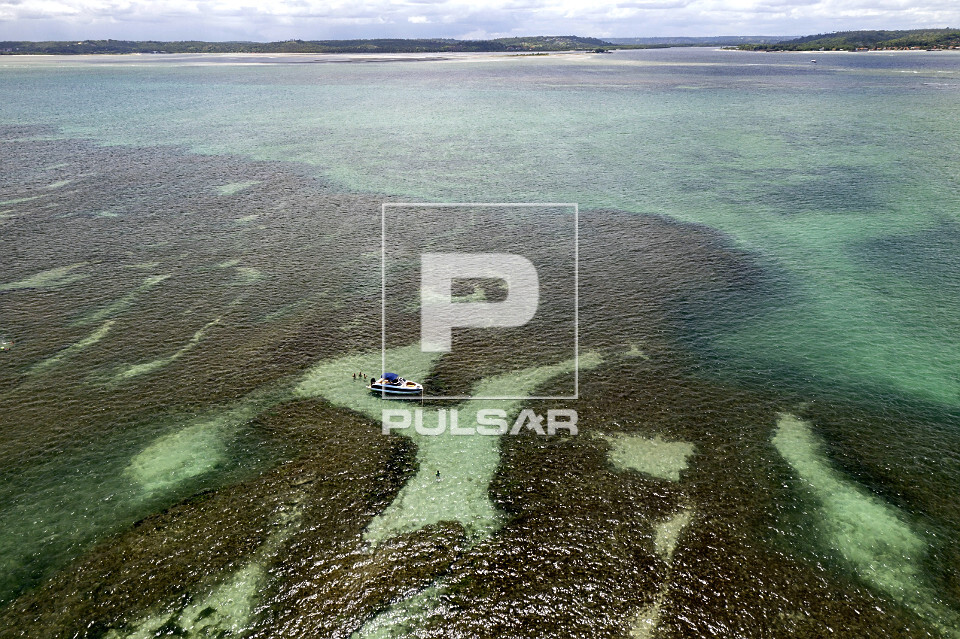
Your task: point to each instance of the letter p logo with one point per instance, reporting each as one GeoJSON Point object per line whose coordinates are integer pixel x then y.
{"type": "Point", "coordinates": [478, 266]}
{"type": "Point", "coordinates": [439, 313]}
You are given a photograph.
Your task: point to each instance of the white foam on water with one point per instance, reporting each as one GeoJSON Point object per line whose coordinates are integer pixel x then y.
{"type": "Point", "coordinates": [132, 370]}
{"type": "Point", "coordinates": [869, 534]}
{"type": "Point", "coordinates": [649, 455]}
{"type": "Point", "coordinates": [73, 349]}
{"type": "Point", "coordinates": [235, 187]}
{"type": "Point", "coordinates": [57, 185]}
{"type": "Point", "coordinates": [246, 219]}
{"type": "Point", "coordinates": [51, 278]}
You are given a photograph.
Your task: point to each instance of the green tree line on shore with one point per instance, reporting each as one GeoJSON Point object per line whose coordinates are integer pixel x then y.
{"type": "Point", "coordinates": [381, 45]}
{"type": "Point", "coordinates": [853, 40]}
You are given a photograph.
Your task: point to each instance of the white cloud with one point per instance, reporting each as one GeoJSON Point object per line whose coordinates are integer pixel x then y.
{"type": "Point", "coordinates": [323, 19]}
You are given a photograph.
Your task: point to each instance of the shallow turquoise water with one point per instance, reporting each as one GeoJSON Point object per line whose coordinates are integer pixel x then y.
{"type": "Point", "coordinates": [831, 185]}
{"type": "Point", "coordinates": [810, 166]}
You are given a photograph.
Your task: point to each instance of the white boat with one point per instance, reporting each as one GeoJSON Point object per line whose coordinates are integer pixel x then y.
{"type": "Point", "coordinates": [392, 385]}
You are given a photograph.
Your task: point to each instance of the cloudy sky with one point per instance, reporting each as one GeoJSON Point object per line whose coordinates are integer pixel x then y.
{"type": "Point", "coordinates": [338, 19]}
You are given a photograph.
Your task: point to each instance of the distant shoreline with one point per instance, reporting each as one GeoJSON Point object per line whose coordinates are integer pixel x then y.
{"type": "Point", "coordinates": [374, 46]}
{"type": "Point", "coordinates": [858, 50]}
{"type": "Point", "coordinates": [902, 40]}
{"type": "Point", "coordinates": [858, 41]}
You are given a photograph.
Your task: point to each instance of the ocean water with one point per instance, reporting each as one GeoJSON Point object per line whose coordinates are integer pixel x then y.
{"type": "Point", "coordinates": [769, 311]}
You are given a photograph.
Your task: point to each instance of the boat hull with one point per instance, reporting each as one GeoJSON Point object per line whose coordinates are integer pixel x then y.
{"type": "Point", "coordinates": [397, 391]}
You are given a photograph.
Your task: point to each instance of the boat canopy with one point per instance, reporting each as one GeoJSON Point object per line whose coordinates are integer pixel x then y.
{"type": "Point", "coordinates": [391, 377]}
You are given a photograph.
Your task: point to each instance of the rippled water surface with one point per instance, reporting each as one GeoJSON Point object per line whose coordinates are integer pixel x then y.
{"type": "Point", "coordinates": [769, 378]}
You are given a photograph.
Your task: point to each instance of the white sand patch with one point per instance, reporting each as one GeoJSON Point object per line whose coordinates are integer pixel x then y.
{"type": "Point", "coordinates": [73, 349]}
{"type": "Point", "coordinates": [666, 536]}
{"type": "Point", "coordinates": [229, 607]}
{"type": "Point", "coordinates": [635, 351]}
{"type": "Point", "coordinates": [177, 457]}
{"type": "Point", "coordinates": [235, 187]}
{"type": "Point", "coordinates": [122, 304]}
{"type": "Point", "coordinates": [403, 618]}
{"type": "Point", "coordinates": [188, 452]}
{"type": "Point", "coordinates": [285, 311]}
{"type": "Point", "coordinates": [333, 380]}
{"type": "Point", "coordinates": [20, 200]}
{"type": "Point", "coordinates": [51, 278]}
{"type": "Point", "coordinates": [133, 370]}
{"type": "Point", "coordinates": [649, 455]}
{"type": "Point", "coordinates": [656, 457]}
{"type": "Point", "coordinates": [646, 622]}
{"type": "Point", "coordinates": [869, 534]}
{"type": "Point", "coordinates": [225, 610]}
{"type": "Point", "coordinates": [667, 533]}
{"type": "Point", "coordinates": [467, 463]}
{"type": "Point", "coordinates": [247, 275]}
